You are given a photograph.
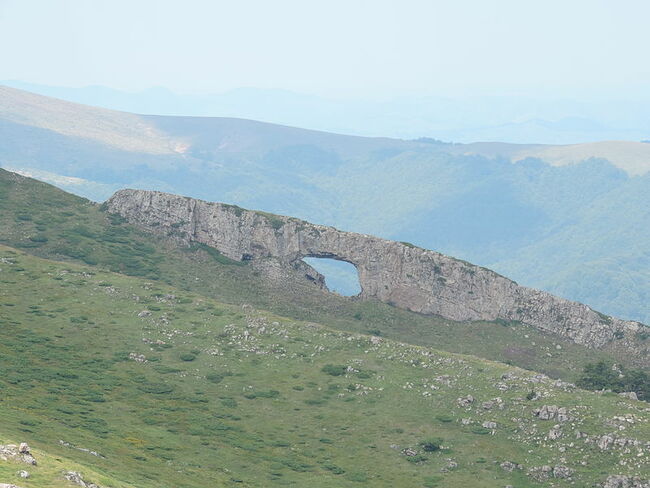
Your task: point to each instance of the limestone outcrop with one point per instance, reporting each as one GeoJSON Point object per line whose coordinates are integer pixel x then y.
{"type": "Point", "coordinates": [401, 274]}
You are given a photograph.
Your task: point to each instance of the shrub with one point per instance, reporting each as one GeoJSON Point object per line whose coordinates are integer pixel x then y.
{"type": "Point", "coordinates": [217, 378]}
{"type": "Point", "coordinates": [334, 469]}
{"type": "Point", "coordinates": [188, 356]}
{"type": "Point", "coordinates": [432, 444]}
{"type": "Point", "coordinates": [418, 458]}
{"type": "Point", "coordinates": [334, 369]}
{"type": "Point", "coordinates": [156, 388]}
{"type": "Point", "coordinates": [162, 369]}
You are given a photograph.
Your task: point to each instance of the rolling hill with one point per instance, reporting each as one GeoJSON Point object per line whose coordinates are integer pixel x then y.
{"type": "Point", "coordinates": [50, 223]}
{"type": "Point", "coordinates": [119, 363]}
{"type": "Point", "coordinates": [143, 384]}
{"type": "Point", "coordinates": [571, 220]}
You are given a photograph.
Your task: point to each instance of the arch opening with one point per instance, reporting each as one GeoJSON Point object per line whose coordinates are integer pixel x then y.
{"type": "Point", "coordinates": [340, 276]}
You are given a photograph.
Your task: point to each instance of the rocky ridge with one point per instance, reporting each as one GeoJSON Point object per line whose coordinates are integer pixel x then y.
{"type": "Point", "coordinates": [398, 273]}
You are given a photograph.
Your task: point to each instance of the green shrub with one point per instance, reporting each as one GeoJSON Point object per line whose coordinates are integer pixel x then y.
{"type": "Point", "coordinates": [334, 369]}
{"type": "Point", "coordinates": [432, 444]}
{"type": "Point", "coordinates": [156, 388]}
{"type": "Point", "coordinates": [418, 458]}
{"type": "Point", "coordinates": [333, 468]}
{"type": "Point", "coordinates": [217, 378]}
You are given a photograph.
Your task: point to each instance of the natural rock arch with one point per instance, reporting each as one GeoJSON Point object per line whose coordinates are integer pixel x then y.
{"type": "Point", "coordinates": [406, 276]}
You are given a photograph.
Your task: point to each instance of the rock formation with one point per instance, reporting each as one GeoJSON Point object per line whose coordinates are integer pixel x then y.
{"type": "Point", "coordinates": [401, 274]}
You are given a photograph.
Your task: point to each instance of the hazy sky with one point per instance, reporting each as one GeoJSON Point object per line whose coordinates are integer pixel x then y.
{"type": "Point", "coordinates": [349, 48]}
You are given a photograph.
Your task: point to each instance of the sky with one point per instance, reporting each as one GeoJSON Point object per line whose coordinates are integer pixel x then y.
{"type": "Point", "coordinates": [350, 48]}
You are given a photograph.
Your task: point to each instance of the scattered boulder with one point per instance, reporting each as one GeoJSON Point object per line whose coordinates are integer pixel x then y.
{"type": "Point", "coordinates": [555, 433]}
{"type": "Point", "coordinates": [540, 473]}
{"type": "Point", "coordinates": [465, 401]}
{"type": "Point", "coordinates": [495, 402]}
{"type": "Point", "coordinates": [451, 464]}
{"type": "Point", "coordinates": [138, 358]}
{"type": "Point", "coordinates": [21, 452]}
{"type": "Point", "coordinates": [562, 472]}
{"type": "Point", "coordinates": [550, 412]}
{"type": "Point", "coordinates": [629, 394]}
{"type": "Point", "coordinates": [29, 459]}
{"type": "Point", "coordinates": [144, 313]}
{"type": "Point", "coordinates": [78, 479]}
{"type": "Point", "coordinates": [23, 474]}
{"type": "Point", "coordinates": [543, 473]}
{"type": "Point", "coordinates": [8, 485]}
{"type": "Point", "coordinates": [509, 466]}
{"type": "Point", "coordinates": [604, 442]}
{"type": "Point", "coordinates": [490, 425]}
{"type": "Point", "coordinates": [621, 481]}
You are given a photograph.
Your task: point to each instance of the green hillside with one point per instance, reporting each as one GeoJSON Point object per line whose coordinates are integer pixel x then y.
{"type": "Point", "coordinates": [572, 220]}
{"type": "Point", "coordinates": [50, 223]}
{"type": "Point", "coordinates": [174, 389]}
{"type": "Point", "coordinates": [52, 470]}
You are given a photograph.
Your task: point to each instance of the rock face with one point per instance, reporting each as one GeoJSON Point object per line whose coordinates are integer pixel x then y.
{"type": "Point", "coordinates": [408, 277]}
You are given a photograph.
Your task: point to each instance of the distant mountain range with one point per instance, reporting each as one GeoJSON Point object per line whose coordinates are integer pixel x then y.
{"type": "Point", "coordinates": [505, 118]}
{"type": "Point", "coordinates": [572, 219]}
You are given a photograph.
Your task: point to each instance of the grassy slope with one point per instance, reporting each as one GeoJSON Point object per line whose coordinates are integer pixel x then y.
{"type": "Point", "coordinates": [53, 224]}
{"type": "Point", "coordinates": [234, 396]}
{"type": "Point", "coordinates": [48, 473]}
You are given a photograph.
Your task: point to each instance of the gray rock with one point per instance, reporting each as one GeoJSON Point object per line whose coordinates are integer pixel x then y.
{"type": "Point", "coordinates": [620, 481]}
{"type": "Point", "coordinates": [451, 465]}
{"type": "Point", "coordinates": [509, 466]}
{"type": "Point", "coordinates": [29, 459]}
{"type": "Point", "coordinates": [629, 394]}
{"type": "Point", "coordinates": [562, 415]}
{"type": "Point", "coordinates": [488, 405]}
{"type": "Point", "coordinates": [555, 433]}
{"type": "Point", "coordinates": [540, 473]}
{"type": "Point", "coordinates": [604, 442]}
{"type": "Point", "coordinates": [465, 401]}
{"type": "Point", "coordinates": [550, 412]}
{"type": "Point", "coordinates": [77, 478]}
{"type": "Point", "coordinates": [562, 472]}
{"type": "Point", "coordinates": [409, 277]}
{"type": "Point", "coordinates": [23, 474]}
{"type": "Point", "coordinates": [490, 425]}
